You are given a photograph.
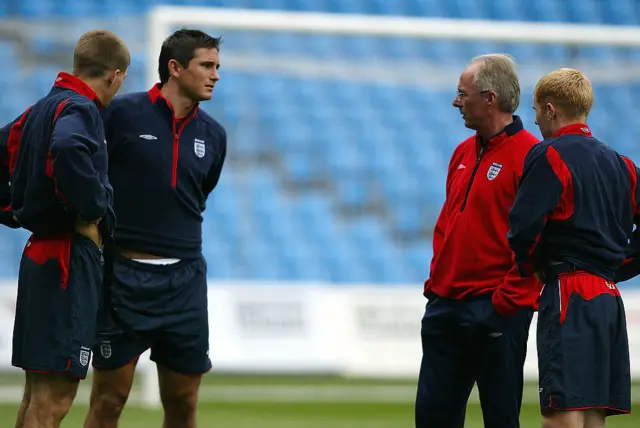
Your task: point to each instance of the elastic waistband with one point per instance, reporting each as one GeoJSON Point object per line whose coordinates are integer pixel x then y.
{"type": "Point", "coordinates": [552, 271]}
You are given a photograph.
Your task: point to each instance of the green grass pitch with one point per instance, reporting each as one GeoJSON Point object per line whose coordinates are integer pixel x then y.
{"type": "Point", "coordinates": [293, 402]}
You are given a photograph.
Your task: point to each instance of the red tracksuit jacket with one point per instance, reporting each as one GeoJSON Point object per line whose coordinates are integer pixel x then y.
{"type": "Point", "coordinates": [471, 255]}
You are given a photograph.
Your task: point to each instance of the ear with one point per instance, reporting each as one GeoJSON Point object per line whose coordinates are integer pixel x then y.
{"type": "Point", "coordinates": [492, 97]}
{"type": "Point", "coordinates": [550, 111]}
{"type": "Point", "coordinates": [112, 76]}
{"type": "Point", "coordinates": [174, 68]}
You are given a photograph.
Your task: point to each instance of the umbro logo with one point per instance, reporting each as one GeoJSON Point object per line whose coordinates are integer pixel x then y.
{"type": "Point", "coordinates": [148, 137]}
{"type": "Point", "coordinates": [461, 166]}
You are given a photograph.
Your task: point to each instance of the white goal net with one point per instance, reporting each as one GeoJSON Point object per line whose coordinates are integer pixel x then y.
{"type": "Point", "coordinates": [366, 101]}
{"type": "Point", "coordinates": [381, 88]}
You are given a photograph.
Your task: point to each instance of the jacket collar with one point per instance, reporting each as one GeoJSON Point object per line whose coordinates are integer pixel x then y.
{"type": "Point", "coordinates": [509, 131]}
{"type": "Point", "coordinates": [73, 83]}
{"type": "Point", "coordinates": [156, 97]}
{"type": "Point", "coordinates": [575, 128]}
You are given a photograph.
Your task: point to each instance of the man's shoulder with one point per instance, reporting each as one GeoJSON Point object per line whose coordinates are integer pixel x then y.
{"type": "Point", "coordinates": [122, 107]}
{"type": "Point", "coordinates": [521, 144]}
{"type": "Point", "coordinates": [64, 100]}
{"type": "Point", "coordinates": [524, 137]}
{"type": "Point", "coordinates": [569, 142]}
{"type": "Point", "coordinates": [71, 104]}
{"type": "Point", "coordinates": [213, 126]}
{"type": "Point", "coordinates": [128, 100]}
{"type": "Point", "coordinates": [466, 145]}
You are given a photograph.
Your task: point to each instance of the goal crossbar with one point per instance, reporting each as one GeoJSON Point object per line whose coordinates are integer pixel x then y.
{"type": "Point", "coordinates": [163, 19]}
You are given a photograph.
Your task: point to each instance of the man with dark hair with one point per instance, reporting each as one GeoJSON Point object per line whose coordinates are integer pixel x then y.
{"type": "Point", "coordinates": [165, 157]}
{"type": "Point", "coordinates": [53, 182]}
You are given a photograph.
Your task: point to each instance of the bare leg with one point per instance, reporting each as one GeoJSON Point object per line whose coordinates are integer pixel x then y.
{"type": "Point", "coordinates": [109, 394]}
{"type": "Point", "coordinates": [26, 398]}
{"type": "Point", "coordinates": [50, 401]}
{"type": "Point", "coordinates": [179, 394]}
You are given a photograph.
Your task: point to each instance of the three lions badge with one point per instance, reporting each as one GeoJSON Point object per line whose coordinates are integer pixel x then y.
{"type": "Point", "coordinates": [494, 170]}
{"type": "Point", "coordinates": [199, 147]}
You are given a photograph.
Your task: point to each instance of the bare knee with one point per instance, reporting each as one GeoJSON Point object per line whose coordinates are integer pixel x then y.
{"type": "Point", "coordinates": [49, 398]}
{"type": "Point", "coordinates": [109, 394]}
{"type": "Point", "coordinates": [108, 404]}
{"type": "Point", "coordinates": [180, 406]}
{"type": "Point", "coordinates": [563, 419]}
{"type": "Point", "coordinates": [179, 395]}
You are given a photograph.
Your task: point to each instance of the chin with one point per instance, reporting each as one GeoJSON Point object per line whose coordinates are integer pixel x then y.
{"type": "Point", "coordinates": [470, 125]}
{"type": "Point", "coordinates": [206, 95]}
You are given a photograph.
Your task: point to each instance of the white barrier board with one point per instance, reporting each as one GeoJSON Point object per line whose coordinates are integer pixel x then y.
{"type": "Point", "coordinates": [363, 331]}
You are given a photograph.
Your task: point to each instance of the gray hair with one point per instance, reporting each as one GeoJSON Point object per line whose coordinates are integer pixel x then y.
{"type": "Point", "coordinates": [497, 72]}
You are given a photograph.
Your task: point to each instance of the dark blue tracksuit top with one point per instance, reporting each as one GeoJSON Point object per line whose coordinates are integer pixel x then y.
{"type": "Point", "coordinates": [162, 171]}
{"type": "Point", "coordinates": [53, 163]}
{"type": "Point", "coordinates": [577, 203]}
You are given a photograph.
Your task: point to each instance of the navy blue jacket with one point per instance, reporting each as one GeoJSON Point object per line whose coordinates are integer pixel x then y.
{"type": "Point", "coordinates": [53, 162]}
{"type": "Point", "coordinates": [576, 203]}
{"type": "Point", "coordinates": [162, 171]}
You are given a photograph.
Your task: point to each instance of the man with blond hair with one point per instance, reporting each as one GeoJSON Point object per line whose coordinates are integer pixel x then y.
{"type": "Point", "coordinates": [53, 182]}
{"type": "Point", "coordinates": [476, 323]}
{"type": "Point", "coordinates": [570, 224]}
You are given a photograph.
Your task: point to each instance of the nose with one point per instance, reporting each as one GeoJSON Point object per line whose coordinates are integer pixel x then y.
{"type": "Point", "coordinates": [456, 102]}
{"type": "Point", "coordinates": [216, 75]}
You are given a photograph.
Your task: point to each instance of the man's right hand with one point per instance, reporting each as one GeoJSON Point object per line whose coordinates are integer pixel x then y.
{"type": "Point", "coordinates": [90, 230]}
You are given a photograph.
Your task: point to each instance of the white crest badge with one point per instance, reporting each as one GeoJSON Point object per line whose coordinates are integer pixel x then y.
{"type": "Point", "coordinates": [85, 354]}
{"type": "Point", "coordinates": [199, 147]}
{"type": "Point", "coordinates": [105, 349]}
{"type": "Point", "coordinates": [494, 170]}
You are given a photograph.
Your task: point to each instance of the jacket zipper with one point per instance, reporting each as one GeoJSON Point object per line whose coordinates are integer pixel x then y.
{"type": "Point", "coordinates": [473, 175]}
{"type": "Point", "coordinates": [176, 148]}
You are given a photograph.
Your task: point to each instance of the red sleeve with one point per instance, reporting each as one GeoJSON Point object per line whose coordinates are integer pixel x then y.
{"type": "Point", "coordinates": [441, 224]}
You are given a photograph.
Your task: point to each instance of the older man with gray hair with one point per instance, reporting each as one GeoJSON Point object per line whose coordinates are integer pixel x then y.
{"type": "Point", "coordinates": [477, 318]}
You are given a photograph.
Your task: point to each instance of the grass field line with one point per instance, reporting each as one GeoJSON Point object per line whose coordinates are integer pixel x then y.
{"type": "Point", "coordinates": [294, 393]}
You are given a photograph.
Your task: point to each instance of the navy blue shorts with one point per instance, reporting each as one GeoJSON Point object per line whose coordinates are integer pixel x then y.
{"type": "Point", "coordinates": [162, 307]}
{"type": "Point", "coordinates": [583, 351]}
{"type": "Point", "coordinates": [59, 295]}
{"type": "Point", "coordinates": [466, 342]}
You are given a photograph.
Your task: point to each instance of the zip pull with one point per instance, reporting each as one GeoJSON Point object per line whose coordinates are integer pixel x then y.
{"type": "Point", "coordinates": [473, 176]}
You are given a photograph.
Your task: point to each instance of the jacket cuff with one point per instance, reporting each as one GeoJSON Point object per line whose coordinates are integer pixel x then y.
{"type": "Point", "coordinates": [503, 305]}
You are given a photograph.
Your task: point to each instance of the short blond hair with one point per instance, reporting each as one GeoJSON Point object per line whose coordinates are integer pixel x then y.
{"type": "Point", "coordinates": [99, 52]}
{"type": "Point", "coordinates": [568, 90]}
{"type": "Point", "coordinates": [497, 72]}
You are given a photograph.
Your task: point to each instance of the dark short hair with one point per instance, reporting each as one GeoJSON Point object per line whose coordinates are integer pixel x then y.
{"type": "Point", "coordinates": [98, 52]}
{"type": "Point", "coordinates": [181, 46]}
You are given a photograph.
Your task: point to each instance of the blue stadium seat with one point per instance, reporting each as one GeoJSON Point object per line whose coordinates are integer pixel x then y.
{"type": "Point", "coordinates": [383, 145]}
{"type": "Point", "coordinates": [614, 12]}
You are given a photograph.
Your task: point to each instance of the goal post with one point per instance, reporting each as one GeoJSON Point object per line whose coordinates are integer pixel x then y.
{"type": "Point", "coordinates": [421, 74]}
